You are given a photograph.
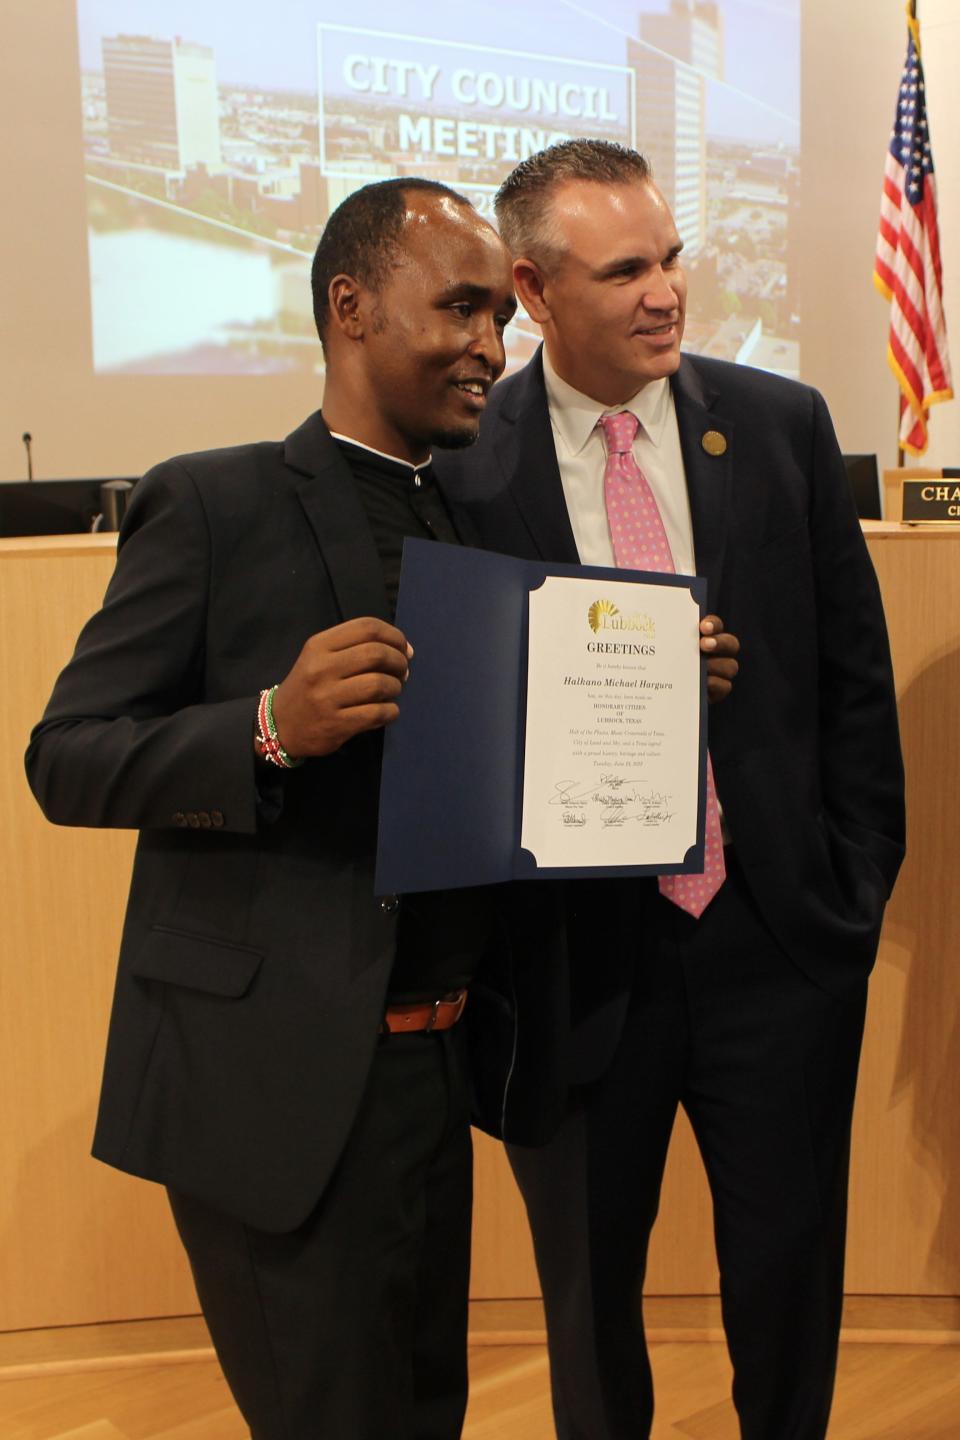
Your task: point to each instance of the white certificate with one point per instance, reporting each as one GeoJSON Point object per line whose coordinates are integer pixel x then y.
{"type": "Point", "coordinates": [613, 765]}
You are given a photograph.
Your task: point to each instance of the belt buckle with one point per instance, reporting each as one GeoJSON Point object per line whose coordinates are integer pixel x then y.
{"type": "Point", "coordinates": [434, 1013]}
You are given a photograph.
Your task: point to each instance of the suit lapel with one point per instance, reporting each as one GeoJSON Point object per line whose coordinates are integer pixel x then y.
{"type": "Point", "coordinates": [333, 509]}
{"type": "Point", "coordinates": [527, 455]}
{"type": "Point", "coordinates": [709, 477]}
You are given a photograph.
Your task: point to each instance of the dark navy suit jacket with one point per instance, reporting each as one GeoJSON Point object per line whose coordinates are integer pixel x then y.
{"type": "Point", "coordinates": [806, 750]}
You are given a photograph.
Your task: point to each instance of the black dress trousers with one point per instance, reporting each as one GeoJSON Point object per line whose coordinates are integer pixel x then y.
{"type": "Point", "coordinates": [764, 1062]}
{"type": "Point", "coordinates": [353, 1327]}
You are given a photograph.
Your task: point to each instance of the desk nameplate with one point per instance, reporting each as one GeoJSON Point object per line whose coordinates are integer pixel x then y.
{"type": "Point", "coordinates": [931, 502]}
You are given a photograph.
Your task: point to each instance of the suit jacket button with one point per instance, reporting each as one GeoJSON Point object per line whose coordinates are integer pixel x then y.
{"type": "Point", "coordinates": [179, 818]}
{"type": "Point", "coordinates": [193, 820]}
{"type": "Point", "coordinates": [216, 818]}
{"type": "Point", "coordinates": [390, 904]}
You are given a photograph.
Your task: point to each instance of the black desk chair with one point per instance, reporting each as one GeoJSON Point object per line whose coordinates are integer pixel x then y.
{"type": "Point", "coordinates": [865, 483]}
{"type": "Point", "coordinates": [23, 513]}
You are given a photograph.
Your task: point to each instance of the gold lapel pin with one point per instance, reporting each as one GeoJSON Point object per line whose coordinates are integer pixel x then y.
{"type": "Point", "coordinates": [713, 442]}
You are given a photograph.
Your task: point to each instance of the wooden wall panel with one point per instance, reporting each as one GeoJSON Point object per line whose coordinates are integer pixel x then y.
{"type": "Point", "coordinates": [905, 1197]}
{"type": "Point", "coordinates": [78, 1242]}
{"type": "Point", "coordinates": [81, 1243]}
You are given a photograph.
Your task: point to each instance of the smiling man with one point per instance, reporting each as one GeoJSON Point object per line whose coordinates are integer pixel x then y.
{"type": "Point", "coordinates": [739, 996]}
{"type": "Point", "coordinates": [613, 318]}
{"type": "Point", "coordinates": [284, 1053]}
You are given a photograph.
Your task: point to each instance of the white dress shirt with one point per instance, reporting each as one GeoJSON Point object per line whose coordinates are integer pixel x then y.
{"type": "Point", "coordinates": [582, 457]}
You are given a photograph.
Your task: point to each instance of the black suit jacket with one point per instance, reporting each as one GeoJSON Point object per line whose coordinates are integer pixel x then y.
{"type": "Point", "coordinates": [806, 750]}
{"type": "Point", "coordinates": [255, 955]}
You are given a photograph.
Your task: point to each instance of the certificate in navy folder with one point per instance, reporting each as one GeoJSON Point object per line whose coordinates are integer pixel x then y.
{"type": "Point", "coordinates": [553, 724]}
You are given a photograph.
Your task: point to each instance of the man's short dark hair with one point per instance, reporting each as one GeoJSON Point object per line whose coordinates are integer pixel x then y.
{"type": "Point", "coordinates": [362, 237]}
{"type": "Point", "coordinates": [522, 203]}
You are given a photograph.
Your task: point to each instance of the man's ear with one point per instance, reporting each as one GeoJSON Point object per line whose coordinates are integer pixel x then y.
{"type": "Point", "coordinates": [343, 299]}
{"type": "Point", "coordinates": [530, 282]}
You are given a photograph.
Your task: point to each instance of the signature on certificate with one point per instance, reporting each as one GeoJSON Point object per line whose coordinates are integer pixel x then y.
{"type": "Point", "coordinates": [614, 801]}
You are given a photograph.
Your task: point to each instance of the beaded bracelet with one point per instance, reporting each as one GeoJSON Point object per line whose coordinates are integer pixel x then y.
{"type": "Point", "coordinates": [266, 740]}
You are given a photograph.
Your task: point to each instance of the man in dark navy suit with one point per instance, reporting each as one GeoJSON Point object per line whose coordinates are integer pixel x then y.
{"type": "Point", "coordinates": [744, 1000]}
{"type": "Point", "coordinates": [284, 1053]}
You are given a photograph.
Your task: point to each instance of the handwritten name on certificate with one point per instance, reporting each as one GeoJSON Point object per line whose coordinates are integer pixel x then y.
{"type": "Point", "coordinates": [612, 752]}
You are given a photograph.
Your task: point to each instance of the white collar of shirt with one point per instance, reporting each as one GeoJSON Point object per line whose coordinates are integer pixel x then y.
{"type": "Point", "coordinates": [349, 440]}
{"type": "Point", "coordinates": [575, 415]}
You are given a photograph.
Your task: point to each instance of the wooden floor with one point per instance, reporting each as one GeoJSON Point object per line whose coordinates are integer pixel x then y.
{"type": "Point", "coordinates": [155, 1380]}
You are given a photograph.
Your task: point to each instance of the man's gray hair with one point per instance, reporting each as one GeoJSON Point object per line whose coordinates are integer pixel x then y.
{"type": "Point", "coordinates": [522, 203]}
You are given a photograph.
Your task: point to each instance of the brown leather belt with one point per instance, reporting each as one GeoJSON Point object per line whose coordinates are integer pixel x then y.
{"type": "Point", "coordinates": [424, 1015]}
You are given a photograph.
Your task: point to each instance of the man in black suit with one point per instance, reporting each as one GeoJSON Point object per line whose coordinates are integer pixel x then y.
{"type": "Point", "coordinates": [283, 1053]}
{"type": "Point", "coordinates": [744, 1003]}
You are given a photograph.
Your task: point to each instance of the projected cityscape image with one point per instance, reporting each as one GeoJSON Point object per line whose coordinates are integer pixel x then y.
{"type": "Point", "coordinates": [214, 152]}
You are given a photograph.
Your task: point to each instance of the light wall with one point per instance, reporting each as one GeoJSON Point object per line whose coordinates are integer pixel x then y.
{"type": "Point", "coordinates": [110, 425]}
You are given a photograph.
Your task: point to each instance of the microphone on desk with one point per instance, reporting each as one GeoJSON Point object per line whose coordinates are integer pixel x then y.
{"type": "Point", "coordinates": [27, 439]}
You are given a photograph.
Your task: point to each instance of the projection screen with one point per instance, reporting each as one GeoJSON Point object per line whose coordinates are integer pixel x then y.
{"type": "Point", "coordinates": [213, 152]}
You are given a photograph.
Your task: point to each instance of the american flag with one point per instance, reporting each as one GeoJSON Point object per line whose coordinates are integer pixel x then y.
{"type": "Point", "coordinates": [907, 268]}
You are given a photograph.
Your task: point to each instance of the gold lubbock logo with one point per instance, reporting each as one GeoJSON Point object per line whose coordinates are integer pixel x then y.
{"type": "Point", "coordinates": [598, 613]}
{"type": "Point", "coordinates": [604, 615]}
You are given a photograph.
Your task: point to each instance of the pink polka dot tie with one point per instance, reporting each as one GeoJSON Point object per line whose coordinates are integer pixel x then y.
{"type": "Point", "coordinates": [640, 543]}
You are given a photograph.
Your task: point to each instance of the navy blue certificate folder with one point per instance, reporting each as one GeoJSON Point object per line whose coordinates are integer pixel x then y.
{"type": "Point", "coordinates": [452, 787]}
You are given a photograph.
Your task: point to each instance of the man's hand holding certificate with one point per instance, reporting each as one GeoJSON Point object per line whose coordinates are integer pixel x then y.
{"type": "Point", "coordinates": [553, 723]}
